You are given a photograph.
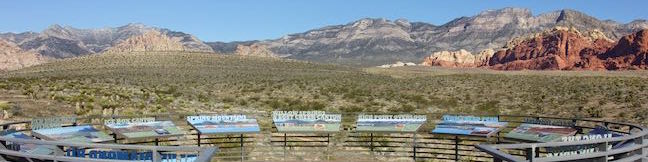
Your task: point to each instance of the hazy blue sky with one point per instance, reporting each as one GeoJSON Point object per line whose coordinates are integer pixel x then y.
{"type": "Point", "coordinates": [213, 20]}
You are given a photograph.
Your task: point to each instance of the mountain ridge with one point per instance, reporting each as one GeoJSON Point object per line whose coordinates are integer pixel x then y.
{"type": "Point", "coordinates": [364, 42]}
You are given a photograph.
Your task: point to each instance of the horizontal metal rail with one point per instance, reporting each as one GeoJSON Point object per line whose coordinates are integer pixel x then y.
{"type": "Point", "coordinates": [356, 144]}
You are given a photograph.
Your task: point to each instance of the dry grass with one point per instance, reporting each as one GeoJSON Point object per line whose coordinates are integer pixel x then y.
{"type": "Point", "coordinates": [137, 83]}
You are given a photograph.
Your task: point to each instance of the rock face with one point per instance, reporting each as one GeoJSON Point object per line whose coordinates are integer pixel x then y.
{"type": "Point", "coordinates": [12, 57]}
{"type": "Point", "coordinates": [365, 42]}
{"type": "Point", "coordinates": [65, 42]}
{"type": "Point", "coordinates": [228, 47]}
{"type": "Point", "coordinates": [461, 58]}
{"type": "Point", "coordinates": [380, 41]}
{"type": "Point", "coordinates": [569, 49]}
{"type": "Point", "coordinates": [59, 42]}
{"type": "Point", "coordinates": [149, 41]}
{"type": "Point", "coordinates": [631, 52]}
{"type": "Point", "coordinates": [254, 50]}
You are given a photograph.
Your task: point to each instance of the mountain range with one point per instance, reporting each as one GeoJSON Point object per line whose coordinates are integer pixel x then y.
{"type": "Point", "coordinates": [365, 42]}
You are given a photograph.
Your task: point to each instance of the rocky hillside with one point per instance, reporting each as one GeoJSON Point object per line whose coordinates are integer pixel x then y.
{"type": "Point", "coordinates": [12, 57]}
{"type": "Point", "coordinates": [254, 50]}
{"type": "Point", "coordinates": [380, 41]}
{"type": "Point", "coordinates": [149, 41]}
{"type": "Point", "coordinates": [631, 52]}
{"type": "Point", "coordinates": [64, 42]}
{"type": "Point", "coordinates": [559, 49]}
{"type": "Point", "coordinates": [461, 58]}
{"type": "Point", "coordinates": [365, 42]}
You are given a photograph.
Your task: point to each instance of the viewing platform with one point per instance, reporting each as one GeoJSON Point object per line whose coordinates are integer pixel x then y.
{"type": "Point", "coordinates": [321, 136]}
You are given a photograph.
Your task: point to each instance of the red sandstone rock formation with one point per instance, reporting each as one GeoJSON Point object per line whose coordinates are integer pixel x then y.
{"type": "Point", "coordinates": [559, 49]}
{"type": "Point", "coordinates": [631, 52]}
{"type": "Point", "coordinates": [567, 50]}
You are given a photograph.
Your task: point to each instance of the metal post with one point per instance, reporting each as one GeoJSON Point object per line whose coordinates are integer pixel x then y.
{"type": "Point", "coordinates": [285, 144]}
{"type": "Point", "coordinates": [328, 144]}
{"type": "Point", "coordinates": [498, 138]}
{"type": "Point", "coordinates": [644, 151]}
{"type": "Point", "coordinates": [156, 156]}
{"type": "Point", "coordinates": [530, 153]}
{"type": "Point", "coordinates": [198, 138]}
{"type": "Point", "coordinates": [603, 147]}
{"type": "Point", "coordinates": [456, 148]}
{"type": "Point", "coordinates": [414, 146]}
{"type": "Point", "coordinates": [242, 147]}
{"type": "Point", "coordinates": [371, 142]}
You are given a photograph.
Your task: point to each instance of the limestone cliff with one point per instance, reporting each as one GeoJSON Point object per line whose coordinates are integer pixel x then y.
{"type": "Point", "coordinates": [149, 41]}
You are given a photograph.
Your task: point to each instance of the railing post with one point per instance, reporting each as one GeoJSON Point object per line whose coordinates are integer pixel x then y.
{"type": "Point", "coordinates": [414, 146]}
{"type": "Point", "coordinates": [644, 151]}
{"type": "Point", "coordinates": [199, 138]}
{"type": "Point", "coordinates": [456, 148]}
{"type": "Point", "coordinates": [156, 156]}
{"type": "Point", "coordinates": [530, 153]}
{"type": "Point", "coordinates": [371, 142]}
{"type": "Point", "coordinates": [242, 150]}
{"type": "Point", "coordinates": [603, 147]}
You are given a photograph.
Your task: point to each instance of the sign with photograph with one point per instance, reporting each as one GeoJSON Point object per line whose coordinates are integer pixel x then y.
{"type": "Point", "coordinates": [306, 121]}
{"type": "Point", "coordinates": [389, 123]}
{"type": "Point", "coordinates": [25, 147]}
{"type": "Point", "coordinates": [142, 128]}
{"type": "Point", "coordinates": [540, 133]}
{"type": "Point", "coordinates": [83, 134]}
{"type": "Point", "coordinates": [469, 125]}
{"type": "Point", "coordinates": [223, 124]}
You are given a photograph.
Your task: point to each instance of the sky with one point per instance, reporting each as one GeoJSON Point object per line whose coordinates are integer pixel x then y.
{"type": "Point", "coordinates": [239, 20]}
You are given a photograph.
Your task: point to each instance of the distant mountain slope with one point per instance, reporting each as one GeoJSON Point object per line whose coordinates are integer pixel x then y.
{"type": "Point", "coordinates": [64, 42]}
{"type": "Point", "coordinates": [365, 42]}
{"type": "Point", "coordinates": [380, 41]}
{"type": "Point", "coordinates": [12, 57]}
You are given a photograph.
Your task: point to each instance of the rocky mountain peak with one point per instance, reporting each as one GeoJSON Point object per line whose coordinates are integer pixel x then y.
{"type": "Point", "coordinates": [507, 12]}
{"type": "Point", "coordinates": [149, 41]}
{"type": "Point", "coordinates": [56, 30]}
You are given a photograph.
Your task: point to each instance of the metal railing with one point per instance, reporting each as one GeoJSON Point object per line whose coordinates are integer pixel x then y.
{"type": "Point", "coordinates": [270, 145]}
{"type": "Point", "coordinates": [601, 150]}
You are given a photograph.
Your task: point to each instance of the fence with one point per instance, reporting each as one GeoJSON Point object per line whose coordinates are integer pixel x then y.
{"type": "Point", "coordinates": [347, 144]}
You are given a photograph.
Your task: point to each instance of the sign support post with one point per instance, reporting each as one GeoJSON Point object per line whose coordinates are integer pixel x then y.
{"type": "Point", "coordinates": [456, 148]}
{"type": "Point", "coordinates": [242, 147]}
{"type": "Point", "coordinates": [198, 138]}
{"type": "Point", "coordinates": [371, 142]}
{"type": "Point", "coordinates": [414, 145]}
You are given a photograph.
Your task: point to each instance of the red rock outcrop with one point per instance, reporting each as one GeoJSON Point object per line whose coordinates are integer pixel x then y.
{"type": "Point", "coordinates": [631, 52]}
{"type": "Point", "coordinates": [567, 49]}
{"type": "Point", "coordinates": [559, 49]}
